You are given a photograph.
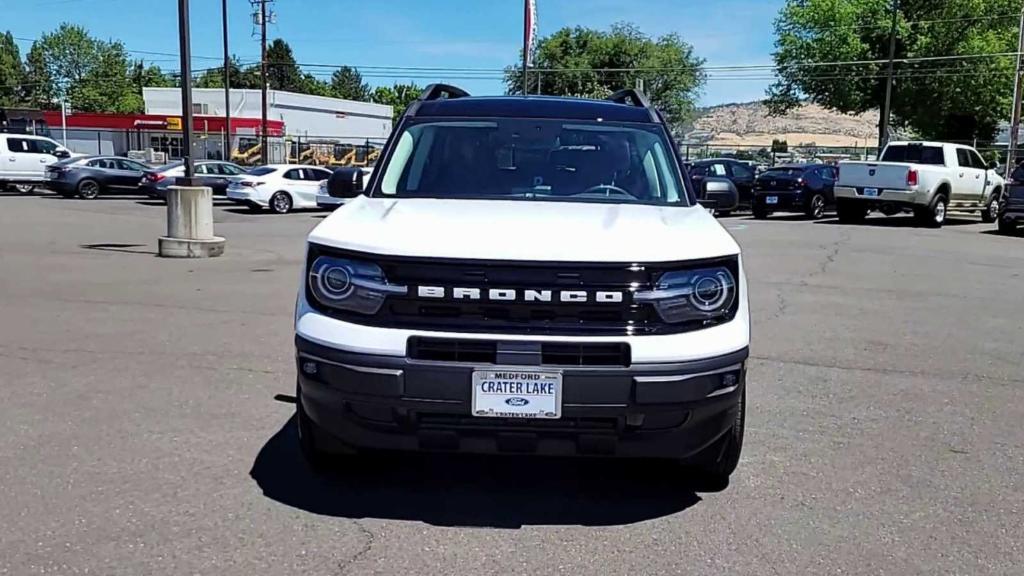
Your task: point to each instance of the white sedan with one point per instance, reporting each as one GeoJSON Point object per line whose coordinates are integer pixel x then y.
{"type": "Point", "coordinates": [280, 187]}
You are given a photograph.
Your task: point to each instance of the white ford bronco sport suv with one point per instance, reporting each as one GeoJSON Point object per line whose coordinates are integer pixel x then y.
{"type": "Point", "coordinates": [525, 275]}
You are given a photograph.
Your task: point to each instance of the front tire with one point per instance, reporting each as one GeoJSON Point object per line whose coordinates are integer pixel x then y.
{"type": "Point", "coordinates": [816, 207]}
{"type": "Point", "coordinates": [934, 215]}
{"type": "Point", "coordinates": [317, 458]}
{"type": "Point", "coordinates": [718, 461]}
{"type": "Point", "coordinates": [88, 189]}
{"type": "Point", "coordinates": [281, 203]}
{"type": "Point", "coordinates": [24, 188]}
{"type": "Point", "coordinates": [1007, 226]}
{"type": "Point", "coordinates": [850, 212]}
{"type": "Point", "coordinates": [991, 212]}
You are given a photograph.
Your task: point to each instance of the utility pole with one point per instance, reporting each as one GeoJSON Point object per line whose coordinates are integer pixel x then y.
{"type": "Point", "coordinates": [883, 128]}
{"type": "Point", "coordinates": [227, 83]}
{"type": "Point", "coordinates": [263, 82]}
{"type": "Point", "coordinates": [186, 90]}
{"type": "Point", "coordinates": [1018, 93]}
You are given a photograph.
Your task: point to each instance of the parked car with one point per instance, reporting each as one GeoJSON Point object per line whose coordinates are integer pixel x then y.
{"type": "Point", "coordinates": [740, 173]}
{"type": "Point", "coordinates": [928, 178]}
{"type": "Point", "coordinates": [24, 158]}
{"type": "Point", "coordinates": [804, 188]}
{"type": "Point", "coordinates": [570, 300]}
{"type": "Point", "coordinates": [90, 176]}
{"type": "Point", "coordinates": [280, 187]}
{"type": "Point", "coordinates": [1011, 205]}
{"type": "Point", "coordinates": [213, 173]}
{"type": "Point", "coordinates": [333, 192]}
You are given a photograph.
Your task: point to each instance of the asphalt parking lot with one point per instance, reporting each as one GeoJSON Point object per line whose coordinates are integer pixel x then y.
{"type": "Point", "coordinates": [145, 426]}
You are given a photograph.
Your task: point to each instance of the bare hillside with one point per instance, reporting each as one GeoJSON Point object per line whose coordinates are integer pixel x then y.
{"type": "Point", "coordinates": [749, 124]}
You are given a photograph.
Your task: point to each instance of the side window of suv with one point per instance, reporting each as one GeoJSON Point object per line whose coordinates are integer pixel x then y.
{"type": "Point", "coordinates": [717, 169]}
{"type": "Point", "coordinates": [20, 146]}
{"type": "Point", "coordinates": [43, 147]}
{"type": "Point", "coordinates": [963, 159]}
{"type": "Point", "coordinates": [741, 170]}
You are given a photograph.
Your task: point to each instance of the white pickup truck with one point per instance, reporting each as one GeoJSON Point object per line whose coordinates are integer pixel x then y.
{"type": "Point", "coordinates": [928, 178]}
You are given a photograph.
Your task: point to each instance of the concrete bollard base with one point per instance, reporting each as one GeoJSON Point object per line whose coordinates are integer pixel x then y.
{"type": "Point", "coordinates": [190, 224]}
{"type": "Point", "coordinates": [185, 248]}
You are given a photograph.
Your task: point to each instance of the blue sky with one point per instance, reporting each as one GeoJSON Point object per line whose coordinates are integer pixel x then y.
{"type": "Point", "coordinates": [425, 33]}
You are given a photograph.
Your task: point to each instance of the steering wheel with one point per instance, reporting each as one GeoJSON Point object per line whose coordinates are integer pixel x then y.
{"type": "Point", "coordinates": [610, 188]}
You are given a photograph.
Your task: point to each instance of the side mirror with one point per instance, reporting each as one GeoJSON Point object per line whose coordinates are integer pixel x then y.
{"type": "Point", "coordinates": [345, 183]}
{"type": "Point", "coordinates": [718, 194]}
{"type": "Point", "coordinates": [62, 154]}
{"type": "Point", "coordinates": [993, 165]}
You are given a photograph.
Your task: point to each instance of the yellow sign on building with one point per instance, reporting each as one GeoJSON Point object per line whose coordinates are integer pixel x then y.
{"type": "Point", "coordinates": [174, 123]}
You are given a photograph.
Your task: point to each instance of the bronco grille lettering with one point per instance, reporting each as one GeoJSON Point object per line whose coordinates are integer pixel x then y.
{"type": "Point", "coordinates": [513, 295]}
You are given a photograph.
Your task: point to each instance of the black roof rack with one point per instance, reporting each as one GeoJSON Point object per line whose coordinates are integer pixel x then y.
{"type": "Point", "coordinates": [634, 97]}
{"type": "Point", "coordinates": [436, 92]}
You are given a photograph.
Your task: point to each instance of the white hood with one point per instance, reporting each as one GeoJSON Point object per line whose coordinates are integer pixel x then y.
{"type": "Point", "coordinates": [524, 230]}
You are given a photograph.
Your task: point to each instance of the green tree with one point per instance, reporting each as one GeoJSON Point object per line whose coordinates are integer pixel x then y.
{"type": "Point", "coordinates": [590, 63]}
{"type": "Point", "coordinates": [12, 72]}
{"type": "Point", "coordinates": [398, 96]}
{"type": "Point", "coordinates": [283, 73]}
{"type": "Point", "coordinates": [949, 99]}
{"type": "Point", "coordinates": [347, 83]}
{"type": "Point", "coordinates": [93, 75]}
{"type": "Point", "coordinates": [315, 86]}
{"type": "Point", "coordinates": [239, 78]}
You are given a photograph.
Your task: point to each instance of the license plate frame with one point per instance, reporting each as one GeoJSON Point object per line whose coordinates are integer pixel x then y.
{"type": "Point", "coordinates": [771, 199]}
{"type": "Point", "coordinates": [872, 192]}
{"type": "Point", "coordinates": [516, 392]}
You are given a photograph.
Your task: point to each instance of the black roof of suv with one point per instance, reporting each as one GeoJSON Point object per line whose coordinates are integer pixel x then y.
{"type": "Point", "coordinates": [441, 100]}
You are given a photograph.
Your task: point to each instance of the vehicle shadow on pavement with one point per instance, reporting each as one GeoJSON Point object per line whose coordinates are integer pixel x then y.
{"type": "Point", "coordinates": [456, 490]}
{"type": "Point", "coordinates": [897, 222]}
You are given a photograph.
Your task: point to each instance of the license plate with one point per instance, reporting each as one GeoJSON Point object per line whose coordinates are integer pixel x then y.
{"type": "Point", "coordinates": [873, 192]}
{"type": "Point", "coordinates": [515, 393]}
{"type": "Point", "coordinates": [771, 199]}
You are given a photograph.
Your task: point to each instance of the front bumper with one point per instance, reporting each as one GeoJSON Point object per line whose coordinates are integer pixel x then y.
{"type": "Point", "coordinates": [245, 197]}
{"type": "Point", "coordinates": [329, 202]}
{"type": "Point", "coordinates": [664, 410]}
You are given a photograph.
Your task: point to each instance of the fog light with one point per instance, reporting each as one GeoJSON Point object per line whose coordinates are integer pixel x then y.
{"type": "Point", "coordinates": [730, 379]}
{"type": "Point", "coordinates": [309, 368]}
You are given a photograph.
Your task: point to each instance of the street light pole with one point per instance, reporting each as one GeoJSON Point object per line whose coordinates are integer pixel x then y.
{"type": "Point", "coordinates": [186, 90]}
{"type": "Point", "coordinates": [1018, 88]}
{"type": "Point", "coordinates": [227, 84]}
{"type": "Point", "coordinates": [263, 82]}
{"type": "Point", "coordinates": [883, 128]}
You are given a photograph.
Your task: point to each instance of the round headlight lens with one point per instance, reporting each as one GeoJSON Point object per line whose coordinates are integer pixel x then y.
{"type": "Point", "coordinates": [710, 291]}
{"type": "Point", "coordinates": [336, 282]}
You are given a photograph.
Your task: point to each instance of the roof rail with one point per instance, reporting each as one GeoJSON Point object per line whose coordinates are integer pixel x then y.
{"type": "Point", "coordinates": [439, 91]}
{"type": "Point", "coordinates": [435, 92]}
{"type": "Point", "coordinates": [634, 97]}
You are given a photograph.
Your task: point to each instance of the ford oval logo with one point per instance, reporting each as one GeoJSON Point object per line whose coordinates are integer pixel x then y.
{"type": "Point", "coordinates": [516, 401]}
{"type": "Point", "coordinates": [871, 172]}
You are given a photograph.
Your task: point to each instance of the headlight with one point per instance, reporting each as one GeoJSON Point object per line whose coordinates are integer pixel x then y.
{"type": "Point", "coordinates": [705, 294]}
{"type": "Point", "coordinates": [350, 285]}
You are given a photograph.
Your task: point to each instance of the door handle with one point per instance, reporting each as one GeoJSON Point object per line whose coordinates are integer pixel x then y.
{"type": "Point", "coordinates": [11, 159]}
{"type": "Point", "coordinates": [977, 176]}
{"type": "Point", "coordinates": [961, 174]}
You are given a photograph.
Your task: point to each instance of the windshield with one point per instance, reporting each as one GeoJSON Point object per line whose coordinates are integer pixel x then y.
{"type": "Point", "coordinates": [261, 171]}
{"type": "Point", "coordinates": [514, 158]}
{"type": "Point", "coordinates": [914, 154]}
{"type": "Point", "coordinates": [782, 172]}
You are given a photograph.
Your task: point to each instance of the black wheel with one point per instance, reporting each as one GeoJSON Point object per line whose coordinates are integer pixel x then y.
{"type": "Point", "coordinates": [718, 461]}
{"type": "Point", "coordinates": [815, 207]}
{"type": "Point", "coordinates": [759, 212]}
{"type": "Point", "coordinates": [850, 212]}
{"type": "Point", "coordinates": [991, 212]}
{"type": "Point", "coordinates": [281, 203]}
{"type": "Point", "coordinates": [933, 215]}
{"type": "Point", "coordinates": [317, 457]}
{"type": "Point", "coordinates": [88, 189]}
{"type": "Point", "coordinates": [1007, 226]}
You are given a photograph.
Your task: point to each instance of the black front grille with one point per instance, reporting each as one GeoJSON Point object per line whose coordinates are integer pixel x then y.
{"type": "Point", "coordinates": [590, 318]}
{"type": "Point", "coordinates": [549, 353]}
